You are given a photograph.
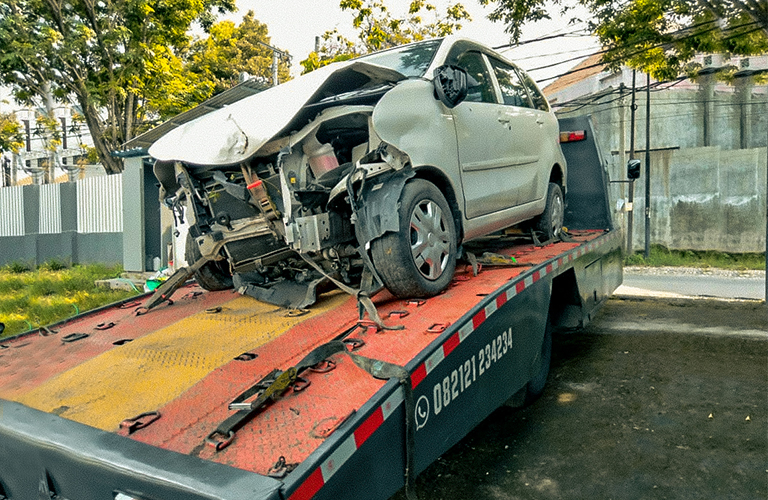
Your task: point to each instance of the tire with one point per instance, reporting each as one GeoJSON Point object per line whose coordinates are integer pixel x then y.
{"type": "Point", "coordinates": [419, 260]}
{"type": "Point", "coordinates": [214, 275]}
{"type": "Point", "coordinates": [550, 223]}
{"type": "Point", "coordinates": [535, 387]}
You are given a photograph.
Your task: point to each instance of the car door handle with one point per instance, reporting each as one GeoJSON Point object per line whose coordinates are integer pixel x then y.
{"type": "Point", "coordinates": [504, 119]}
{"type": "Point", "coordinates": [540, 121]}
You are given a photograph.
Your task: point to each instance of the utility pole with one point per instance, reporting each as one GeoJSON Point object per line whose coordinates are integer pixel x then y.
{"type": "Point", "coordinates": [275, 81]}
{"type": "Point", "coordinates": [647, 165]}
{"type": "Point", "coordinates": [631, 200]}
{"type": "Point", "coordinates": [276, 55]}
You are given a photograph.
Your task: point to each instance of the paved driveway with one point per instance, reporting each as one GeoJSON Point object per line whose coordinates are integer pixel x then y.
{"type": "Point", "coordinates": [653, 400]}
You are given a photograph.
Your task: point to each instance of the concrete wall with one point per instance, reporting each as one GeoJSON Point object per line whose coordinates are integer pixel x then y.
{"type": "Point", "coordinates": [701, 199]}
{"type": "Point", "coordinates": [708, 160]}
{"type": "Point", "coordinates": [105, 220]}
{"type": "Point", "coordinates": [69, 247]}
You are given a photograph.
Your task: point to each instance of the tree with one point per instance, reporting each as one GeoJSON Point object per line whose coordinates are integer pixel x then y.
{"type": "Point", "coordinates": [230, 50]}
{"type": "Point", "coordinates": [378, 29]}
{"type": "Point", "coordinates": [11, 138]}
{"type": "Point", "coordinates": [656, 36]}
{"type": "Point", "coordinates": [114, 59]}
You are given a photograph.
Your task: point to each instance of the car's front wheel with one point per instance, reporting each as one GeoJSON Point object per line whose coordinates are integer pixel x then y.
{"type": "Point", "coordinates": [418, 260]}
{"type": "Point", "coordinates": [214, 275]}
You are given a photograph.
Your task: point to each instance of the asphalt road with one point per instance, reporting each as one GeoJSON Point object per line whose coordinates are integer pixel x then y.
{"type": "Point", "coordinates": [698, 282]}
{"type": "Point", "coordinates": [653, 400]}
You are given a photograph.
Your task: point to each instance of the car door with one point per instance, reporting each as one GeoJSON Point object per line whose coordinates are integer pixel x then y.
{"type": "Point", "coordinates": [489, 152]}
{"type": "Point", "coordinates": [548, 128]}
{"type": "Point", "coordinates": [525, 125]}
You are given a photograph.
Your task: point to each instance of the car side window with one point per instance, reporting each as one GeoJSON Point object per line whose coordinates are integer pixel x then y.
{"type": "Point", "coordinates": [473, 64]}
{"type": "Point", "coordinates": [512, 89]}
{"type": "Point", "coordinates": [539, 101]}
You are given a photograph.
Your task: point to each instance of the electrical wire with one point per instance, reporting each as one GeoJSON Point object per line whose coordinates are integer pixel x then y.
{"type": "Point", "coordinates": [644, 50]}
{"type": "Point", "coordinates": [570, 34]}
{"type": "Point", "coordinates": [605, 63]}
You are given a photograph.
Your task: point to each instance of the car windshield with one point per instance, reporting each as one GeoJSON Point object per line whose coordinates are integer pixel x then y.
{"type": "Point", "coordinates": [410, 60]}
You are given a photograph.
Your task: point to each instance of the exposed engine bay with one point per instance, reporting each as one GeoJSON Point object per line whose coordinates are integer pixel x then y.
{"type": "Point", "coordinates": [299, 197]}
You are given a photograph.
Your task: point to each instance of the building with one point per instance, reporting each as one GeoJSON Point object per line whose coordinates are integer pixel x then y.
{"type": "Point", "coordinates": [41, 161]}
{"type": "Point", "coordinates": [707, 142]}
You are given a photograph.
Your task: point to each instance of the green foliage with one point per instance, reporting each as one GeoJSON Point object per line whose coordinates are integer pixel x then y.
{"type": "Point", "coordinates": [378, 29]}
{"type": "Point", "coordinates": [115, 59]}
{"type": "Point", "coordinates": [51, 293]}
{"type": "Point", "coordinates": [49, 131]}
{"type": "Point", "coordinates": [659, 37]}
{"type": "Point", "coordinates": [11, 138]}
{"type": "Point", "coordinates": [17, 267]}
{"type": "Point", "coordinates": [662, 256]}
{"type": "Point", "coordinates": [229, 50]}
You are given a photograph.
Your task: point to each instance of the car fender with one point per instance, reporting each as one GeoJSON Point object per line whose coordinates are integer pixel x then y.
{"type": "Point", "coordinates": [377, 213]}
{"type": "Point", "coordinates": [410, 118]}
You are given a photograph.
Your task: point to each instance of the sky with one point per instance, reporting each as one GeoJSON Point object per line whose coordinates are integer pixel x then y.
{"type": "Point", "coordinates": [294, 24]}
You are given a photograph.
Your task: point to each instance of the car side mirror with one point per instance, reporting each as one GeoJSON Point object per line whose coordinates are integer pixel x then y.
{"type": "Point", "coordinates": [451, 85]}
{"type": "Point", "coordinates": [633, 169]}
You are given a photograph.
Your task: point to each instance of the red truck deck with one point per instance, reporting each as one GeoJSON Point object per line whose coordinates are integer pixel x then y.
{"type": "Point", "coordinates": [123, 403]}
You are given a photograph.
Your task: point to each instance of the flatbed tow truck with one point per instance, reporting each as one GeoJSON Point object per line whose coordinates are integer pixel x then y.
{"type": "Point", "coordinates": [217, 395]}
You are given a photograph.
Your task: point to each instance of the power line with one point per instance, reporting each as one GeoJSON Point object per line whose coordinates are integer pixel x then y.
{"type": "Point", "coordinates": [605, 63]}
{"type": "Point", "coordinates": [570, 34]}
{"type": "Point", "coordinates": [578, 103]}
{"type": "Point", "coordinates": [537, 56]}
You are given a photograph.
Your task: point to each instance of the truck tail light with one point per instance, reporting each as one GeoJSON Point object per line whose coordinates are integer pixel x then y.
{"type": "Point", "coordinates": [573, 136]}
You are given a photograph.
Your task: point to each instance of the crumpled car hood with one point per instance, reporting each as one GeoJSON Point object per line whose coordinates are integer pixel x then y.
{"type": "Point", "coordinates": [236, 132]}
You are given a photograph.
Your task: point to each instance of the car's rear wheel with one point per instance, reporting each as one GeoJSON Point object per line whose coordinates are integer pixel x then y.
{"type": "Point", "coordinates": [214, 275]}
{"type": "Point", "coordinates": [418, 260]}
{"type": "Point", "coordinates": [550, 223]}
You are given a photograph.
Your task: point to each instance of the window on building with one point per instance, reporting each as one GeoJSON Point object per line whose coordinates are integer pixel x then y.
{"type": "Point", "coordinates": [64, 132]}
{"type": "Point", "coordinates": [28, 134]}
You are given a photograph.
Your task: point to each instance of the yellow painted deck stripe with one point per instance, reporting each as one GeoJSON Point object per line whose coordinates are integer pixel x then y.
{"type": "Point", "coordinates": [153, 370]}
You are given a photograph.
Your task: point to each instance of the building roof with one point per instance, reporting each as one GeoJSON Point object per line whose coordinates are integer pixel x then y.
{"type": "Point", "coordinates": [585, 69]}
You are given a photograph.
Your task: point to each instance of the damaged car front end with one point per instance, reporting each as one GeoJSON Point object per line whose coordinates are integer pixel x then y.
{"type": "Point", "coordinates": [348, 175]}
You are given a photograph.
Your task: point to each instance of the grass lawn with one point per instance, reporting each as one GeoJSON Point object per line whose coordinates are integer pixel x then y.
{"type": "Point", "coordinates": [662, 256]}
{"type": "Point", "coordinates": [51, 293]}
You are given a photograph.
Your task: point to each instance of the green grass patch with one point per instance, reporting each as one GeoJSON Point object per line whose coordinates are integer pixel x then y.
{"type": "Point", "coordinates": [52, 292]}
{"type": "Point", "coordinates": [662, 256]}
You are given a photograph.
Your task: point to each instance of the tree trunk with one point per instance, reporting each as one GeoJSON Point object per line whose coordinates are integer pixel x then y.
{"type": "Point", "coordinates": [111, 164]}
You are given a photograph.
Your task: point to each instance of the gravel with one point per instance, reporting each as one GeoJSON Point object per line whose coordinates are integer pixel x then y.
{"type": "Point", "coordinates": [692, 271]}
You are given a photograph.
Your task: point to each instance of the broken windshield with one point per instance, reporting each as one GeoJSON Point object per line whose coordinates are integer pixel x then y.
{"type": "Point", "coordinates": [409, 60]}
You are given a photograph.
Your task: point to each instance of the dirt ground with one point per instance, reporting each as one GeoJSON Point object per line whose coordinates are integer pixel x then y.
{"type": "Point", "coordinates": [653, 400]}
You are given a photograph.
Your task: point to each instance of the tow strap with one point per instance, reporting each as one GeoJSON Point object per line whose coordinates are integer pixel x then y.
{"type": "Point", "coordinates": [278, 382]}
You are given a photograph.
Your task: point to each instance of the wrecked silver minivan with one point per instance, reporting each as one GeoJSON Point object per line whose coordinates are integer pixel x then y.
{"type": "Point", "coordinates": [366, 173]}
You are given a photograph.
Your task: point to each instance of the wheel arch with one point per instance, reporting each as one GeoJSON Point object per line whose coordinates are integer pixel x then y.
{"type": "Point", "coordinates": [557, 175]}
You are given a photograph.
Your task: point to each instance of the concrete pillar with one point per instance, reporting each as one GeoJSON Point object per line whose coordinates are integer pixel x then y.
{"type": "Point", "coordinates": [707, 98]}
{"type": "Point", "coordinates": [744, 86]}
{"type": "Point", "coordinates": [31, 209]}
{"type": "Point", "coordinates": [133, 215]}
{"type": "Point", "coordinates": [68, 193]}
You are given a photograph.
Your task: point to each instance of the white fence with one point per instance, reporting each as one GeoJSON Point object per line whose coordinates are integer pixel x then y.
{"type": "Point", "coordinates": [100, 204]}
{"type": "Point", "coordinates": [97, 206]}
{"type": "Point", "coordinates": [12, 211]}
